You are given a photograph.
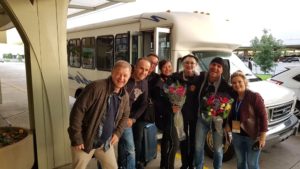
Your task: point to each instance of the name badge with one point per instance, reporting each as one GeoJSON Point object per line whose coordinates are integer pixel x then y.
{"type": "Point", "coordinates": [236, 126]}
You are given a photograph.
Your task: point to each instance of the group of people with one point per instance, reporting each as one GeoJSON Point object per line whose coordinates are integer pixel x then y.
{"type": "Point", "coordinates": [114, 110]}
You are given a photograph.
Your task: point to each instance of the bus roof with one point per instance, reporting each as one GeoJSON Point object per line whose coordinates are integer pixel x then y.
{"type": "Point", "coordinates": [196, 31]}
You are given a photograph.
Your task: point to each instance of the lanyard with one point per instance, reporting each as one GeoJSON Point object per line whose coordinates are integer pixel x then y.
{"type": "Point", "coordinates": [237, 107]}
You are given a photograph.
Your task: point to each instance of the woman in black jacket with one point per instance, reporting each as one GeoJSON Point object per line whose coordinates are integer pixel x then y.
{"type": "Point", "coordinates": [188, 78]}
{"type": "Point", "coordinates": [164, 116]}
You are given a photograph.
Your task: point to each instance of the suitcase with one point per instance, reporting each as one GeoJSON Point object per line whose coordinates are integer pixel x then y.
{"type": "Point", "coordinates": [149, 143]}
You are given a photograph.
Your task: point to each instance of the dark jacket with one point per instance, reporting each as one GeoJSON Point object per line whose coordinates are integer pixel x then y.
{"type": "Point", "coordinates": [149, 113]}
{"type": "Point", "coordinates": [152, 80]}
{"type": "Point", "coordinates": [253, 115]}
{"type": "Point", "coordinates": [190, 107]}
{"type": "Point", "coordinates": [89, 112]}
{"type": "Point", "coordinates": [162, 105]}
{"type": "Point", "coordinates": [138, 103]}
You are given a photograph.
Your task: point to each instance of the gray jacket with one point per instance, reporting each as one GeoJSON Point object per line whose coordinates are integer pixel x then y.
{"type": "Point", "coordinates": [90, 108]}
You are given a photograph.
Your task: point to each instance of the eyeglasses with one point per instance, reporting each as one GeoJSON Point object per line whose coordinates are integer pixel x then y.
{"type": "Point", "coordinates": [154, 63]}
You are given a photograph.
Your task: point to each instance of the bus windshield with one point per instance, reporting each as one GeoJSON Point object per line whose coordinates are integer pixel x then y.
{"type": "Point", "coordinates": [231, 62]}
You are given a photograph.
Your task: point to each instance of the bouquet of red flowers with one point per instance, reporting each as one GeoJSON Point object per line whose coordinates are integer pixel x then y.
{"type": "Point", "coordinates": [176, 94]}
{"type": "Point", "coordinates": [217, 108]}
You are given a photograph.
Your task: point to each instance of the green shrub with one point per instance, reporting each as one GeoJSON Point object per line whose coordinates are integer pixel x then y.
{"type": "Point", "coordinates": [7, 56]}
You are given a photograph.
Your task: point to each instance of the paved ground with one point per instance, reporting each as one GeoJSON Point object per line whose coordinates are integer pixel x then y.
{"type": "Point", "coordinates": [14, 111]}
{"type": "Point", "coordinates": [14, 107]}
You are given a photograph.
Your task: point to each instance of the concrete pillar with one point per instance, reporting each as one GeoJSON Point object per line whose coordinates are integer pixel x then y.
{"type": "Point", "coordinates": [0, 93]}
{"type": "Point", "coordinates": [2, 38]}
{"type": "Point", "coordinates": [42, 26]}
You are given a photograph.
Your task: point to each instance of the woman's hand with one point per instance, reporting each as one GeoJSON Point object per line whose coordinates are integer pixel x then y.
{"type": "Point", "coordinates": [262, 140]}
{"type": "Point", "coordinates": [175, 108]}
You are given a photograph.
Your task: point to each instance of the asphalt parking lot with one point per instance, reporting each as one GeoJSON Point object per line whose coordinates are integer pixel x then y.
{"type": "Point", "coordinates": [14, 111]}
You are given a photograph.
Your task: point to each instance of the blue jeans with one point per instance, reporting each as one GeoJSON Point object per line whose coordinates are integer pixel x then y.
{"type": "Point", "coordinates": [126, 150]}
{"type": "Point", "coordinates": [201, 131]}
{"type": "Point", "coordinates": [246, 157]}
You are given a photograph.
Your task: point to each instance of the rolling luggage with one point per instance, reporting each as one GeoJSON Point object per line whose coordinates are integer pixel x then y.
{"type": "Point", "coordinates": [149, 143]}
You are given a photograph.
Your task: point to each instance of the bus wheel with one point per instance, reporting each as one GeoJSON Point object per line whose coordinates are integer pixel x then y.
{"type": "Point", "coordinates": [228, 151]}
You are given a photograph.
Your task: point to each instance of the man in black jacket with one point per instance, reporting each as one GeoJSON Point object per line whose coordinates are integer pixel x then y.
{"type": "Point", "coordinates": [211, 85]}
{"type": "Point", "coordinates": [148, 115]}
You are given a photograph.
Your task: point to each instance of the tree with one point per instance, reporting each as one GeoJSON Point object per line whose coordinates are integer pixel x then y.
{"type": "Point", "coordinates": [266, 50]}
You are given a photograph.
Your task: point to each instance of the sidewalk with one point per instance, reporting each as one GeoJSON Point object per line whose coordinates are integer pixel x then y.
{"type": "Point", "coordinates": [14, 106]}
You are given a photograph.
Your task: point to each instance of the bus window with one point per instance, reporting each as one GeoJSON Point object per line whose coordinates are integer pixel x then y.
{"type": "Point", "coordinates": [135, 48]}
{"type": "Point", "coordinates": [105, 49]}
{"type": "Point", "coordinates": [164, 48]}
{"type": "Point", "coordinates": [74, 52]}
{"type": "Point", "coordinates": [88, 52]}
{"type": "Point", "coordinates": [122, 47]}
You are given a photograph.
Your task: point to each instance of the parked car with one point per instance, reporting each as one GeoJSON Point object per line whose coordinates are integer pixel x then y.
{"type": "Point", "coordinates": [2, 60]}
{"type": "Point", "coordinates": [290, 78]}
{"type": "Point", "coordinates": [291, 59]}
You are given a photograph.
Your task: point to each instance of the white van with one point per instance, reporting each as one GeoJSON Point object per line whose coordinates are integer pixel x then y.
{"type": "Point", "coordinates": [93, 49]}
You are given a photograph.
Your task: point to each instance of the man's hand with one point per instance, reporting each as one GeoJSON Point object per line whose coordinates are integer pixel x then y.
{"type": "Point", "coordinates": [79, 147]}
{"type": "Point", "coordinates": [130, 122]}
{"type": "Point", "coordinates": [114, 139]}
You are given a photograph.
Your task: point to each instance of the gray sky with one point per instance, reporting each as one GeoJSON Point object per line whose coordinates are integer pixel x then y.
{"type": "Point", "coordinates": [250, 17]}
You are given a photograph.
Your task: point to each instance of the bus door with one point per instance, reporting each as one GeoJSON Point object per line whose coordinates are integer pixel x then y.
{"type": "Point", "coordinates": [162, 45]}
{"type": "Point", "coordinates": [157, 41]}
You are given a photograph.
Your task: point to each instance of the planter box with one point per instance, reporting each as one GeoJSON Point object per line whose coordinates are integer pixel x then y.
{"type": "Point", "coordinates": [18, 155]}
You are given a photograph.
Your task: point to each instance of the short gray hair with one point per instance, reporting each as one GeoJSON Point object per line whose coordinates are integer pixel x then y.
{"type": "Point", "coordinates": [122, 64]}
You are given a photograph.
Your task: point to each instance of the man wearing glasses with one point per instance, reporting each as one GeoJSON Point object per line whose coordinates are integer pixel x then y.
{"type": "Point", "coordinates": [148, 115]}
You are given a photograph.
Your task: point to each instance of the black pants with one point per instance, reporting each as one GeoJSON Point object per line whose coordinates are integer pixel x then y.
{"type": "Point", "coordinates": [138, 133]}
{"type": "Point", "coordinates": [187, 146]}
{"type": "Point", "coordinates": [169, 146]}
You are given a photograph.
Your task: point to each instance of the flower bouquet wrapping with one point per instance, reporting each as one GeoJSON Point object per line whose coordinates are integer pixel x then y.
{"type": "Point", "coordinates": [216, 108]}
{"type": "Point", "coordinates": [176, 94]}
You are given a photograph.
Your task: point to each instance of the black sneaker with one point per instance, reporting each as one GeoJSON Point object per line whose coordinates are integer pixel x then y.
{"type": "Point", "coordinates": [140, 165]}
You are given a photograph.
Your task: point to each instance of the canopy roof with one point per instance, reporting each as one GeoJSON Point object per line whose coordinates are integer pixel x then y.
{"type": "Point", "coordinates": [76, 8]}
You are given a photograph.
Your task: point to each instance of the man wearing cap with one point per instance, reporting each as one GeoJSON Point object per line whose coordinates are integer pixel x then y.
{"type": "Point", "coordinates": [211, 84]}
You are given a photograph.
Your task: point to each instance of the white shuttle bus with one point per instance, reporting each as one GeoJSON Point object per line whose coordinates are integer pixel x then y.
{"type": "Point", "coordinates": [93, 49]}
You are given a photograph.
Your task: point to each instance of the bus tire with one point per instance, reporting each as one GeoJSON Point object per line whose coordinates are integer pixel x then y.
{"type": "Point", "coordinates": [228, 151]}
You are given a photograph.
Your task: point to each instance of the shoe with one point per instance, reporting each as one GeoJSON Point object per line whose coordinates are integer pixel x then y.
{"type": "Point", "coordinates": [140, 165]}
{"type": "Point", "coordinates": [162, 165]}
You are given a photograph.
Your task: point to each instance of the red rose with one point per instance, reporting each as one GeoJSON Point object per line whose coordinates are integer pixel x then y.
{"type": "Point", "coordinates": [224, 99]}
